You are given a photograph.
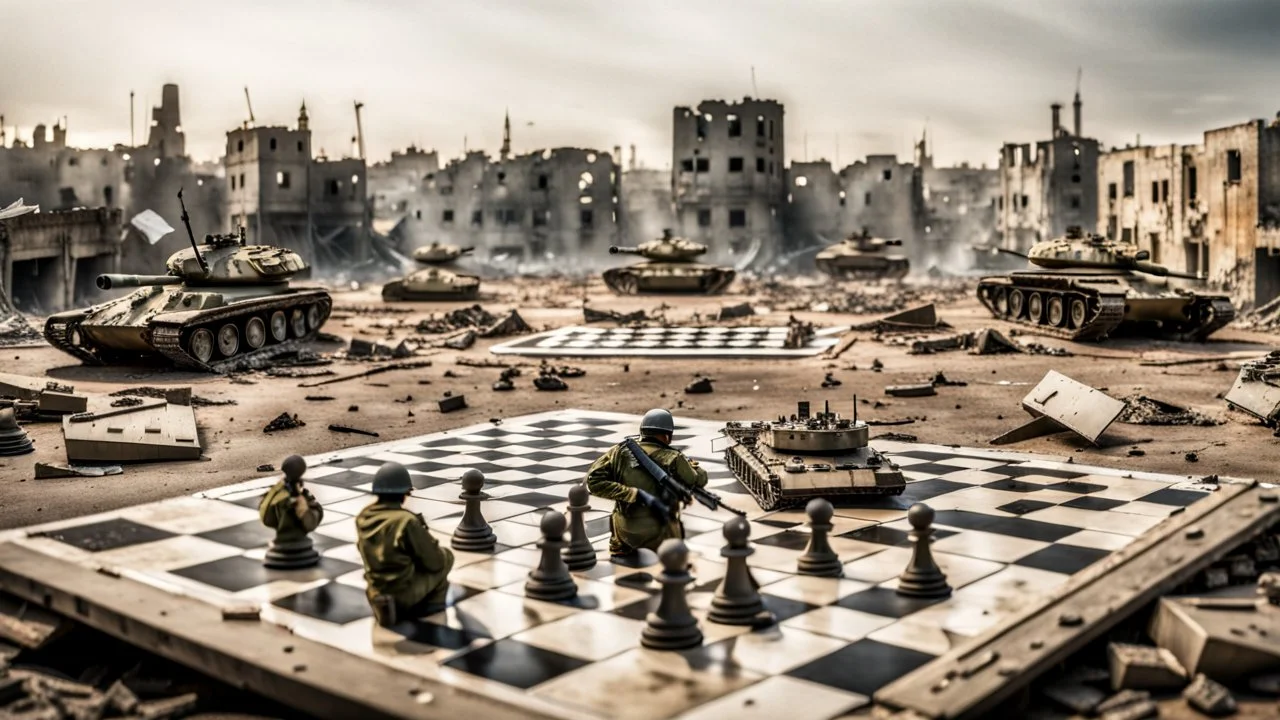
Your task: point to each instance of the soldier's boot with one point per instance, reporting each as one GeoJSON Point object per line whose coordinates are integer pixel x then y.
{"type": "Point", "coordinates": [384, 610]}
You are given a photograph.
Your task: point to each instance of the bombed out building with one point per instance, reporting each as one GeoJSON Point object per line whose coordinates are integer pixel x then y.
{"type": "Point", "coordinates": [285, 196]}
{"type": "Point", "coordinates": [394, 183]}
{"type": "Point", "coordinates": [1049, 187]}
{"type": "Point", "coordinates": [960, 208]}
{"type": "Point", "coordinates": [50, 260]}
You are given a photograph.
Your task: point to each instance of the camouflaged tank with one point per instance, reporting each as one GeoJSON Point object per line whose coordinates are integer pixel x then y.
{"type": "Point", "coordinates": [669, 268]}
{"type": "Point", "coordinates": [435, 282]}
{"type": "Point", "coordinates": [221, 303]}
{"type": "Point", "coordinates": [863, 257]}
{"type": "Point", "coordinates": [1091, 288]}
{"type": "Point", "coordinates": [789, 461]}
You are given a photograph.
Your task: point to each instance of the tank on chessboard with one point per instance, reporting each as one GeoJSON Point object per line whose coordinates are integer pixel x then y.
{"type": "Point", "coordinates": [791, 460]}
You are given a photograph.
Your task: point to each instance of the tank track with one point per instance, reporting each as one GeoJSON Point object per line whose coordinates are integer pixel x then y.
{"type": "Point", "coordinates": [394, 292]}
{"type": "Point", "coordinates": [1104, 311]}
{"type": "Point", "coordinates": [1210, 315]}
{"type": "Point", "coordinates": [166, 336]}
{"type": "Point", "coordinates": [720, 278]}
{"type": "Point", "coordinates": [57, 331]}
{"type": "Point", "coordinates": [891, 270]}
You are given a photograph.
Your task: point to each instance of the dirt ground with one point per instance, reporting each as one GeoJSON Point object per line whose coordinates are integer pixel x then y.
{"type": "Point", "coordinates": [235, 444]}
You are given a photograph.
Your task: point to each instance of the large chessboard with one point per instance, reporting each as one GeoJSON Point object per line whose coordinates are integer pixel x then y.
{"type": "Point", "coordinates": [727, 342]}
{"type": "Point", "coordinates": [1011, 529]}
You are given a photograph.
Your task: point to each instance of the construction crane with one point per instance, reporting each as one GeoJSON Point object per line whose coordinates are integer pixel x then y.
{"type": "Point", "coordinates": [359, 131]}
{"type": "Point", "coordinates": [249, 103]}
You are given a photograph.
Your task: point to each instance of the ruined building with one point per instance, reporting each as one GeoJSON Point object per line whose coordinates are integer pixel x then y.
{"type": "Point", "coordinates": [728, 177]}
{"type": "Point", "coordinates": [1048, 188]}
{"type": "Point", "coordinates": [394, 183]}
{"type": "Point", "coordinates": [285, 196]}
{"type": "Point", "coordinates": [960, 208]}
{"type": "Point", "coordinates": [645, 204]}
{"type": "Point", "coordinates": [50, 260]}
{"type": "Point", "coordinates": [1211, 209]}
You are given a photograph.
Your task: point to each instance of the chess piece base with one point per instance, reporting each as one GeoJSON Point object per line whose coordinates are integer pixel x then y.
{"type": "Point", "coordinates": [829, 566]}
{"type": "Point", "coordinates": [923, 585]}
{"type": "Point", "coordinates": [479, 540]}
{"type": "Point", "coordinates": [539, 587]}
{"type": "Point", "coordinates": [750, 612]}
{"type": "Point", "coordinates": [661, 635]}
{"type": "Point", "coordinates": [578, 559]}
{"type": "Point", "coordinates": [291, 555]}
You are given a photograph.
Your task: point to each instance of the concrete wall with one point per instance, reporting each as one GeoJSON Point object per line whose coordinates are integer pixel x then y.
{"type": "Point", "coordinates": [49, 260]}
{"type": "Point", "coordinates": [885, 197]}
{"type": "Point", "coordinates": [645, 205]}
{"type": "Point", "coordinates": [392, 184]}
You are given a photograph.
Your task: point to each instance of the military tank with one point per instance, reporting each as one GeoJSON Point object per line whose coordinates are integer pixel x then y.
{"type": "Point", "coordinates": [789, 461]}
{"type": "Point", "coordinates": [670, 269]}
{"type": "Point", "coordinates": [435, 282]}
{"type": "Point", "coordinates": [222, 302]}
{"type": "Point", "coordinates": [861, 256]}
{"type": "Point", "coordinates": [1090, 288]}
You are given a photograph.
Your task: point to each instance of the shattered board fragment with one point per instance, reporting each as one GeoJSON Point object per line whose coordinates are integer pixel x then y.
{"type": "Point", "coordinates": [591, 315]}
{"type": "Point", "coordinates": [63, 470]}
{"type": "Point", "coordinates": [920, 390]}
{"type": "Point", "coordinates": [989, 341]}
{"type": "Point", "coordinates": [1142, 667]}
{"type": "Point", "coordinates": [152, 432]}
{"type": "Point", "coordinates": [1209, 697]}
{"type": "Point", "coordinates": [1059, 403]}
{"type": "Point", "coordinates": [450, 403]}
{"type": "Point", "coordinates": [924, 317]}
{"type": "Point", "coordinates": [1257, 389]}
{"type": "Point", "coordinates": [1228, 639]}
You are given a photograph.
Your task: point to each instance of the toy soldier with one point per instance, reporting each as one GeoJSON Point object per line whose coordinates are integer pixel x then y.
{"type": "Point", "coordinates": [406, 571]}
{"type": "Point", "coordinates": [293, 512]}
{"type": "Point", "coordinates": [644, 516]}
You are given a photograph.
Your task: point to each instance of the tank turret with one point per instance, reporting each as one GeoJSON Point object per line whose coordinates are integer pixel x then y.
{"type": "Point", "coordinates": [1088, 287]}
{"type": "Point", "coordinates": [437, 253]}
{"type": "Point", "coordinates": [669, 268]}
{"type": "Point", "coordinates": [863, 256]}
{"type": "Point", "coordinates": [223, 302]}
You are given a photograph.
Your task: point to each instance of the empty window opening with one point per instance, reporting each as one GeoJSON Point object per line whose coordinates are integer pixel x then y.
{"type": "Point", "coordinates": [73, 161]}
{"type": "Point", "coordinates": [300, 149]}
{"type": "Point", "coordinates": [1234, 172]}
{"type": "Point", "coordinates": [842, 198]}
{"type": "Point", "coordinates": [759, 165]}
{"type": "Point", "coordinates": [242, 180]}
{"type": "Point", "coordinates": [1164, 191]}
{"type": "Point", "coordinates": [272, 144]}
{"type": "Point", "coordinates": [801, 181]}
{"type": "Point", "coordinates": [1024, 201]}
{"type": "Point", "coordinates": [1191, 185]}
{"type": "Point", "coordinates": [704, 218]}
{"type": "Point", "coordinates": [759, 126]}
{"type": "Point", "coordinates": [735, 164]}
{"type": "Point", "coordinates": [735, 126]}
{"type": "Point", "coordinates": [1128, 179]}
{"type": "Point", "coordinates": [282, 179]}
{"type": "Point", "coordinates": [1126, 235]}
{"type": "Point", "coordinates": [585, 200]}
{"type": "Point", "coordinates": [477, 218]}
{"type": "Point", "coordinates": [417, 214]}
{"type": "Point", "coordinates": [888, 174]}
{"type": "Point", "coordinates": [233, 182]}
{"type": "Point", "coordinates": [737, 218]}
{"type": "Point", "coordinates": [866, 199]}
{"type": "Point", "coordinates": [686, 166]}
{"type": "Point", "coordinates": [1155, 191]}
{"type": "Point", "coordinates": [586, 219]}
{"type": "Point", "coordinates": [544, 182]}
{"type": "Point", "coordinates": [704, 165]}
{"type": "Point", "coordinates": [333, 187]}
{"type": "Point", "coordinates": [541, 217]}
{"type": "Point", "coordinates": [502, 177]}
{"type": "Point", "coordinates": [446, 216]}
{"type": "Point", "coordinates": [108, 196]}
{"type": "Point", "coordinates": [1111, 191]}
{"type": "Point", "coordinates": [239, 146]}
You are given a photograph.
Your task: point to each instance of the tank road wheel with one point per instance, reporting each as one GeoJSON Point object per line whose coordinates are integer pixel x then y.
{"type": "Point", "coordinates": [999, 300]}
{"type": "Point", "coordinates": [228, 340]}
{"type": "Point", "coordinates": [1015, 304]}
{"type": "Point", "coordinates": [313, 317]}
{"type": "Point", "coordinates": [627, 285]}
{"type": "Point", "coordinates": [255, 333]}
{"type": "Point", "coordinates": [279, 326]}
{"type": "Point", "coordinates": [1035, 308]}
{"type": "Point", "coordinates": [1077, 313]}
{"type": "Point", "coordinates": [201, 345]}
{"type": "Point", "coordinates": [75, 337]}
{"type": "Point", "coordinates": [298, 322]}
{"type": "Point", "coordinates": [1056, 311]}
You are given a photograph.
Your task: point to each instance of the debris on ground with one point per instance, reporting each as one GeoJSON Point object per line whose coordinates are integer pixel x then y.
{"type": "Point", "coordinates": [319, 398]}
{"type": "Point", "coordinates": [940, 380]}
{"type": "Point", "coordinates": [549, 382]}
{"type": "Point", "coordinates": [876, 365]}
{"type": "Point", "coordinates": [65, 470]}
{"type": "Point", "coordinates": [699, 386]}
{"type": "Point", "coordinates": [591, 315]}
{"type": "Point", "coordinates": [177, 396]}
{"type": "Point", "coordinates": [266, 468]}
{"type": "Point", "coordinates": [365, 349]}
{"type": "Point", "coordinates": [154, 431]}
{"type": "Point", "coordinates": [1256, 390]}
{"type": "Point", "coordinates": [460, 319]}
{"type": "Point", "coordinates": [918, 390]}
{"type": "Point", "coordinates": [299, 372]}
{"type": "Point", "coordinates": [896, 437]}
{"type": "Point", "coordinates": [451, 402]}
{"type": "Point", "coordinates": [47, 398]}
{"type": "Point", "coordinates": [417, 364]}
{"type": "Point", "coordinates": [509, 324]}
{"type": "Point", "coordinates": [351, 430]}
{"type": "Point", "coordinates": [1143, 410]}
{"type": "Point", "coordinates": [462, 340]}
{"type": "Point", "coordinates": [480, 362]}
{"type": "Point", "coordinates": [504, 382]}
{"type": "Point", "coordinates": [1143, 667]}
{"type": "Point", "coordinates": [1059, 403]}
{"type": "Point", "coordinates": [731, 312]}
{"type": "Point", "coordinates": [830, 381]}
{"type": "Point", "coordinates": [1209, 697]}
{"type": "Point", "coordinates": [14, 328]}
{"type": "Point", "coordinates": [986, 341]}
{"type": "Point", "coordinates": [924, 317]}
{"type": "Point", "coordinates": [126, 402]}
{"type": "Point", "coordinates": [564, 371]}
{"type": "Point", "coordinates": [353, 408]}
{"type": "Point", "coordinates": [283, 421]}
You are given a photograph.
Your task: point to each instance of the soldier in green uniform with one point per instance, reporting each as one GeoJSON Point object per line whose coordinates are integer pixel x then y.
{"type": "Point", "coordinates": [289, 508]}
{"type": "Point", "coordinates": [640, 517]}
{"type": "Point", "coordinates": [406, 571]}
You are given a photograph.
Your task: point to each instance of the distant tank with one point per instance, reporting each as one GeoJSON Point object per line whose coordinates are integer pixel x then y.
{"type": "Point", "coordinates": [435, 282]}
{"type": "Point", "coordinates": [789, 461]}
{"type": "Point", "coordinates": [222, 302]}
{"type": "Point", "coordinates": [863, 257]}
{"type": "Point", "coordinates": [1091, 288]}
{"type": "Point", "coordinates": [669, 269]}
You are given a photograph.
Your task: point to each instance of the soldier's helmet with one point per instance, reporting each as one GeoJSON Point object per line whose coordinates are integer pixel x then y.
{"type": "Point", "coordinates": [658, 421]}
{"type": "Point", "coordinates": [392, 479]}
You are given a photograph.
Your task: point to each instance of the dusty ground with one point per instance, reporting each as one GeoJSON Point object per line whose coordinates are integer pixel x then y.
{"type": "Point", "coordinates": [235, 443]}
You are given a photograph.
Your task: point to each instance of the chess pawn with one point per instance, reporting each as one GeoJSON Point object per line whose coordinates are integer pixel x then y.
{"type": "Point", "coordinates": [473, 533]}
{"type": "Point", "coordinates": [818, 558]}
{"type": "Point", "coordinates": [922, 578]}
{"type": "Point", "coordinates": [737, 601]}
{"type": "Point", "coordinates": [292, 547]}
{"type": "Point", "coordinates": [672, 625]}
{"type": "Point", "coordinates": [579, 555]}
{"type": "Point", "coordinates": [551, 579]}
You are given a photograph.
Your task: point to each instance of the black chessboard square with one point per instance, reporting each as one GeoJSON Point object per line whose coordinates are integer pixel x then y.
{"type": "Point", "coordinates": [932, 468]}
{"type": "Point", "coordinates": [1065, 559]}
{"type": "Point", "coordinates": [344, 479]}
{"type": "Point", "coordinates": [639, 609]}
{"type": "Point", "coordinates": [1016, 471]}
{"type": "Point", "coordinates": [253, 534]}
{"type": "Point", "coordinates": [1088, 502]}
{"type": "Point", "coordinates": [252, 501]}
{"type": "Point", "coordinates": [925, 490]}
{"type": "Point", "coordinates": [883, 535]}
{"type": "Point", "coordinates": [108, 535]}
{"type": "Point", "coordinates": [934, 455]}
{"type": "Point", "coordinates": [238, 572]}
{"type": "Point", "coordinates": [514, 663]}
{"type": "Point", "coordinates": [1016, 527]}
{"type": "Point", "coordinates": [1171, 496]}
{"type": "Point", "coordinates": [424, 632]}
{"type": "Point", "coordinates": [1077, 487]}
{"type": "Point", "coordinates": [886, 602]}
{"type": "Point", "coordinates": [862, 667]}
{"type": "Point", "coordinates": [789, 539]}
{"type": "Point", "coordinates": [784, 524]}
{"type": "Point", "coordinates": [785, 608]}
{"type": "Point", "coordinates": [532, 499]}
{"type": "Point", "coordinates": [1013, 485]}
{"type": "Point", "coordinates": [332, 602]}
{"type": "Point", "coordinates": [1022, 507]}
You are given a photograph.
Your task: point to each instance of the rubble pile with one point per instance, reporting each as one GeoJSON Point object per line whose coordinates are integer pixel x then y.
{"type": "Point", "coordinates": [180, 396]}
{"type": "Point", "coordinates": [14, 328]}
{"type": "Point", "coordinates": [639, 318]}
{"type": "Point", "coordinates": [986, 341]}
{"type": "Point", "coordinates": [793, 295]}
{"type": "Point", "coordinates": [284, 421]}
{"type": "Point", "coordinates": [34, 694]}
{"type": "Point", "coordinates": [477, 319]}
{"type": "Point", "coordinates": [1142, 410]}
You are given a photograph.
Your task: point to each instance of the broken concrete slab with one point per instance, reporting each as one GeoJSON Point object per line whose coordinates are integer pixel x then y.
{"type": "Point", "coordinates": [1257, 389]}
{"type": "Point", "coordinates": [922, 317]}
{"type": "Point", "coordinates": [730, 312]}
{"type": "Point", "coordinates": [918, 390]}
{"type": "Point", "coordinates": [450, 403]}
{"type": "Point", "coordinates": [152, 432]}
{"type": "Point", "coordinates": [1058, 403]}
{"type": "Point", "coordinates": [462, 340]}
{"type": "Point", "coordinates": [1209, 697]}
{"type": "Point", "coordinates": [699, 386]}
{"type": "Point", "coordinates": [1226, 638]}
{"type": "Point", "coordinates": [64, 470]}
{"type": "Point", "coordinates": [1142, 667]}
{"type": "Point", "coordinates": [509, 324]}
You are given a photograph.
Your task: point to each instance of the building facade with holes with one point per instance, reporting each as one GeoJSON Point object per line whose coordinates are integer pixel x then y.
{"type": "Point", "coordinates": [50, 260]}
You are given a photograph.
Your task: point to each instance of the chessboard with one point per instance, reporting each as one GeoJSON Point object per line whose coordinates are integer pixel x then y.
{"type": "Point", "coordinates": [726, 342]}
{"type": "Point", "coordinates": [1009, 530]}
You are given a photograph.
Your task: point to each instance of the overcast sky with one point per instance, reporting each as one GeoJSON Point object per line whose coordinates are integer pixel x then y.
{"type": "Point", "coordinates": [857, 76]}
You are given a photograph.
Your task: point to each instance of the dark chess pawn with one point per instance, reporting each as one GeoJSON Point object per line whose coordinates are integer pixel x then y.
{"type": "Point", "coordinates": [922, 578]}
{"type": "Point", "coordinates": [551, 579]}
{"type": "Point", "coordinates": [579, 555]}
{"type": "Point", "coordinates": [818, 558]}
{"type": "Point", "coordinates": [672, 625]}
{"type": "Point", "coordinates": [473, 533]}
{"type": "Point", "coordinates": [293, 512]}
{"type": "Point", "coordinates": [737, 601]}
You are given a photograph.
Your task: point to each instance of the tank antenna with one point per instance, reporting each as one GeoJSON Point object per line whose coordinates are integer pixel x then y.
{"type": "Point", "coordinates": [826, 409]}
{"type": "Point", "coordinates": [186, 220]}
{"type": "Point", "coordinates": [855, 409]}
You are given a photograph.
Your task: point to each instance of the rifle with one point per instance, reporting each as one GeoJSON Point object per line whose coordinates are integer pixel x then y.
{"type": "Point", "coordinates": [673, 487]}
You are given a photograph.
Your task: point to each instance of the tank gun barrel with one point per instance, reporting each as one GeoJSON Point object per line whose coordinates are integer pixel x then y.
{"type": "Point", "coordinates": [114, 280]}
{"type": "Point", "coordinates": [616, 250]}
{"type": "Point", "coordinates": [1162, 271]}
{"type": "Point", "coordinates": [997, 250]}
{"type": "Point", "coordinates": [467, 250]}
